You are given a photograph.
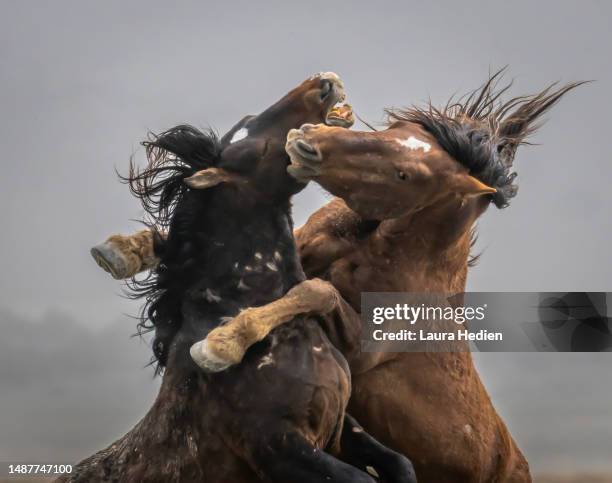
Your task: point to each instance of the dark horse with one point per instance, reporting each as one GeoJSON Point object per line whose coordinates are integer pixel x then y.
{"type": "Point", "coordinates": [411, 195]}
{"type": "Point", "coordinates": [225, 204]}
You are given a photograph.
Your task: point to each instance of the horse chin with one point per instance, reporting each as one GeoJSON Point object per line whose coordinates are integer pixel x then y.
{"type": "Point", "coordinates": [301, 173]}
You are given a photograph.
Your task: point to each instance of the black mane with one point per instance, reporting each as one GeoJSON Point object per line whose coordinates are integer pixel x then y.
{"type": "Point", "coordinates": [483, 133]}
{"type": "Point", "coordinates": [172, 156]}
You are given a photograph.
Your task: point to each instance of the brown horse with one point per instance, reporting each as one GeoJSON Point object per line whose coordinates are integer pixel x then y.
{"type": "Point", "coordinates": [412, 194]}
{"type": "Point", "coordinates": [229, 244]}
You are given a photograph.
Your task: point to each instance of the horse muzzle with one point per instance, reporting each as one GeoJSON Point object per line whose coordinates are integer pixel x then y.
{"type": "Point", "coordinates": [306, 159]}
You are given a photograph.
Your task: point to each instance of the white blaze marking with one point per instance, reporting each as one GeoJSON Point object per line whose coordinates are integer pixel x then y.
{"type": "Point", "coordinates": [414, 144]}
{"type": "Point", "coordinates": [239, 135]}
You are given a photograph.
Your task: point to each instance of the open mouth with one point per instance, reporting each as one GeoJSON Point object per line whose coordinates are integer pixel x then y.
{"type": "Point", "coordinates": [305, 159]}
{"type": "Point", "coordinates": [340, 114]}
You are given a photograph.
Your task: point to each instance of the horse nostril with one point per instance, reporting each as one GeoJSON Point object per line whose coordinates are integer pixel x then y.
{"type": "Point", "coordinates": [304, 146]}
{"type": "Point", "coordinates": [326, 88]}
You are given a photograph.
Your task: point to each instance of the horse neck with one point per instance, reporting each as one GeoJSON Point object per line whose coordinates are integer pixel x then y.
{"type": "Point", "coordinates": [429, 249]}
{"type": "Point", "coordinates": [237, 258]}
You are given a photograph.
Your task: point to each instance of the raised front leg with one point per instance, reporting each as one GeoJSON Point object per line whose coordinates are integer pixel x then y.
{"type": "Point", "coordinates": [227, 344]}
{"type": "Point", "coordinates": [123, 256]}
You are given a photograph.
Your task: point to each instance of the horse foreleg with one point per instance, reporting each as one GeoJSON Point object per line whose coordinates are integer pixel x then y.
{"type": "Point", "coordinates": [226, 345]}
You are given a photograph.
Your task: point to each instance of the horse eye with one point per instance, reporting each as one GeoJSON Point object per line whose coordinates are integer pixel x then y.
{"type": "Point", "coordinates": [325, 89]}
{"type": "Point", "coordinates": [401, 175]}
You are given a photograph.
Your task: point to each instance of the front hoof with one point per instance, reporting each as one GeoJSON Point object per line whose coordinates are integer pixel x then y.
{"type": "Point", "coordinates": [111, 260]}
{"type": "Point", "coordinates": [205, 359]}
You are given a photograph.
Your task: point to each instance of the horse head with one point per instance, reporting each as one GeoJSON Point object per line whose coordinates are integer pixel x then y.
{"type": "Point", "coordinates": [459, 157]}
{"type": "Point", "coordinates": [252, 154]}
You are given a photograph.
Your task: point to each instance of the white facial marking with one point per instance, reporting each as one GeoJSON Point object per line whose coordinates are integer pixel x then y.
{"type": "Point", "coordinates": [239, 135]}
{"type": "Point", "coordinates": [414, 144]}
{"type": "Point", "coordinates": [266, 360]}
{"type": "Point", "coordinates": [317, 348]}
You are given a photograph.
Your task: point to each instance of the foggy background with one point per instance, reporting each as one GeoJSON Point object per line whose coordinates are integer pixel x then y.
{"type": "Point", "coordinates": [82, 82]}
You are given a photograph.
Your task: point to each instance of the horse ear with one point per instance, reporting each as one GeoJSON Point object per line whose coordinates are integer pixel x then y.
{"type": "Point", "coordinates": [207, 178]}
{"type": "Point", "coordinates": [469, 186]}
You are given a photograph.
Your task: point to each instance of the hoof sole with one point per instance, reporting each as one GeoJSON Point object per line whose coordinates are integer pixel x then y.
{"type": "Point", "coordinates": [109, 260]}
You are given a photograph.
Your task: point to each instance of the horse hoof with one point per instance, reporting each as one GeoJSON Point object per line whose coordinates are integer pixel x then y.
{"type": "Point", "coordinates": [203, 357]}
{"type": "Point", "coordinates": [111, 260]}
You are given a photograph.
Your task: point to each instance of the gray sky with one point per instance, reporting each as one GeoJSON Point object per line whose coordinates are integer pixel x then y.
{"type": "Point", "coordinates": [82, 82]}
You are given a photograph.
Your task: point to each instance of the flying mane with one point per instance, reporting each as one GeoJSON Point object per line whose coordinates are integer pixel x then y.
{"type": "Point", "coordinates": [483, 133]}
{"type": "Point", "coordinates": [169, 205]}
